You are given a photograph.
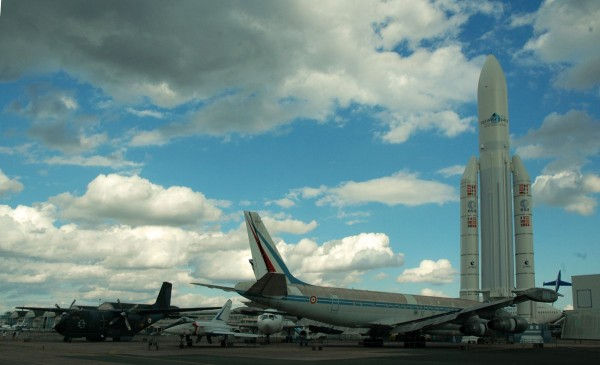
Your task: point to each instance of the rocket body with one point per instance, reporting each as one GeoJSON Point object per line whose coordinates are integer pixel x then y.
{"type": "Point", "coordinates": [504, 200]}
{"type": "Point", "coordinates": [497, 279]}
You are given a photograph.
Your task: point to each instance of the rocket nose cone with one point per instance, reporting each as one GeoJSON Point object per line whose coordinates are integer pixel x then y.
{"type": "Point", "coordinates": [491, 72]}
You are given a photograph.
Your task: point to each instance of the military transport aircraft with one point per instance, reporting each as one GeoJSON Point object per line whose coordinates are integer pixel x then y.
{"type": "Point", "coordinates": [116, 320]}
{"type": "Point", "coordinates": [408, 316]}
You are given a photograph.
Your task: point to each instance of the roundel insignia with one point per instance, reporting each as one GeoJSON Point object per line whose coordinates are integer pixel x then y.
{"type": "Point", "coordinates": [149, 320]}
{"type": "Point", "coordinates": [81, 323]}
{"type": "Point", "coordinates": [312, 299]}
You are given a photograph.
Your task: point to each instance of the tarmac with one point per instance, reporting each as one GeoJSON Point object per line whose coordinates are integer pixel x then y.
{"type": "Point", "coordinates": [49, 349]}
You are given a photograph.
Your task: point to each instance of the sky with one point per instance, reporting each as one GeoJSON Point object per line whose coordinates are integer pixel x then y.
{"type": "Point", "coordinates": [134, 134]}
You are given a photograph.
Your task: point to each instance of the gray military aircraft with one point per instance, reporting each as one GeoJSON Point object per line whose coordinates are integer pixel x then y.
{"type": "Point", "coordinates": [116, 320]}
{"type": "Point", "coordinates": [408, 316]}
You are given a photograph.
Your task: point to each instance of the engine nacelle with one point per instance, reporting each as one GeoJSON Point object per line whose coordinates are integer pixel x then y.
{"type": "Point", "coordinates": [475, 327]}
{"type": "Point", "coordinates": [509, 325]}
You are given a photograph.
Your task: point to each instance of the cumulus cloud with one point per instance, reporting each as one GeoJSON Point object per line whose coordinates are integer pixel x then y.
{"type": "Point", "coordinates": [362, 252]}
{"type": "Point", "coordinates": [277, 62]}
{"type": "Point", "coordinates": [433, 293]}
{"type": "Point", "coordinates": [429, 271]}
{"type": "Point", "coordinates": [115, 161]}
{"type": "Point", "coordinates": [566, 33]}
{"type": "Point", "coordinates": [452, 170]}
{"type": "Point", "coordinates": [569, 140]}
{"type": "Point", "coordinates": [288, 225]}
{"type": "Point", "coordinates": [400, 188]}
{"type": "Point", "coordinates": [134, 200]}
{"type": "Point", "coordinates": [568, 189]}
{"type": "Point", "coordinates": [8, 185]}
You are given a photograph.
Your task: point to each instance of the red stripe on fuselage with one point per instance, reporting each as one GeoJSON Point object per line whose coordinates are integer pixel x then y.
{"type": "Point", "coordinates": [270, 266]}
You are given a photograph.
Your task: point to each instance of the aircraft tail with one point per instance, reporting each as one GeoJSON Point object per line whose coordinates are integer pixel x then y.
{"type": "Point", "coordinates": [223, 313]}
{"type": "Point", "coordinates": [557, 283]}
{"type": "Point", "coordinates": [164, 296]}
{"type": "Point", "coordinates": [265, 257]}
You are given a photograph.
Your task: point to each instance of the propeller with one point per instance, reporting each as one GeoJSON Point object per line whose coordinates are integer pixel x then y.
{"type": "Point", "coordinates": [122, 315]}
{"type": "Point", "coordinates": [64, 313]}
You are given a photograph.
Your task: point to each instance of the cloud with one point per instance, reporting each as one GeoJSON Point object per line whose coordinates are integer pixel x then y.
{"type": "Point", "coordinates": [436, 272]}
{"type": "Point", "coordinates": [8, 185]}
{"type": "Point", "coordinates": [568, 189]}
{"type": "Point", "coordinates": [433, 293]}
{"type": "Point", "coordinates": [452, 170]}
{"type": "Point", "coordinates": [566, 34]}
{"type": "Point", "coordinates": [401, 188]}
{"type": "Point", "coordinates": [275, 64]}
{"type": "Point", "coordinates": [145, 113]}
{"type": "Point", "coordinates": [402, 126]}
{"type": "Point", "coordinates": [283, 202]}
{"type": "Point", "coordinates": [136, 201]}
{"type": "Point", "coordinates": [569, 139]}
{"type": "Point", "coordinates": [115, 161]}
{"type": "Point", "coordinates": [288, 226]}
{"type": "Point", "coordinates": [361, 252]}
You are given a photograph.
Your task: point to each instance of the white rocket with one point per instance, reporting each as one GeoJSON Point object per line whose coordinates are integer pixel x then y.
{"type": "Point", "coordinates": [504, 196]}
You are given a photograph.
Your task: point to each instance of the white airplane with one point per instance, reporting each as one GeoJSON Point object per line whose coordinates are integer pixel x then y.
{"type": "Point", "coordinates": [383, 313]}
{"type": "Point", "coordinates": [269, 321]}
{"type": "Point", "coordinates": [216, 327]}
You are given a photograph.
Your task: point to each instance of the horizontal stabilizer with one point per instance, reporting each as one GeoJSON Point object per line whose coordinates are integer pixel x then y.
{"type": "Point", "coordinates": [212, 286]}
{"type": "Point", "coordinates": [271, 284]}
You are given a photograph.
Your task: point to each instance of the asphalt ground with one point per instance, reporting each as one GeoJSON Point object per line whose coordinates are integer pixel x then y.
{"type": "Point", "coordinates": [49, 349]}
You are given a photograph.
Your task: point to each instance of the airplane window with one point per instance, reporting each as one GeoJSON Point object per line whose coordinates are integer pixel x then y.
{"type": "Point", "coordinates": [271, 316]}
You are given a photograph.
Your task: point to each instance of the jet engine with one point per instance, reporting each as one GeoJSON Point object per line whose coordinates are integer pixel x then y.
{"type": "Point", "coordinates": [509, 325]}
{"type": "Point", "coordinates": [474, 327]}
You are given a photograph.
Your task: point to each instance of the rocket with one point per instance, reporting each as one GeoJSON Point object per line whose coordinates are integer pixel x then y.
{"type": "Point", "coordinates": [501, 186]}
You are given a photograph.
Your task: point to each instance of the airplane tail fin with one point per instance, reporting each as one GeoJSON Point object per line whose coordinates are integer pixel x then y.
{"type": "Point", "coordinates": [223, 313]}
{"type": "Point", "coordinates": [265, 257]}
{"type": "Point", "coordinates": [557, 283]}
{"type": "Point", "coordinates": [164, 296]}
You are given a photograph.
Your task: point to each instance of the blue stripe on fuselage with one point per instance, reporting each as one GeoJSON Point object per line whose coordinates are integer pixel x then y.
{"type": "Point", "coordinates": [359, 303]}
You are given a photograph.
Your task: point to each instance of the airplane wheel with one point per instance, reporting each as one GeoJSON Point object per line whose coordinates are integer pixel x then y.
{"type": "Point", "coordinates": [181, 345]}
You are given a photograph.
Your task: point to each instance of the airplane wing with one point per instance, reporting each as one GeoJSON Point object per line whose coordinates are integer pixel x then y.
{"type": "Point", "coordinates": [482, 309]}
{"type": "Point", "coordinates": [226, 288]}
{"type": "Point", "coordinates": [170, 310]}
{"type": "Point", "coordinates": [218, 332]}
{"type": "Point", "coordinates": [49, 309]}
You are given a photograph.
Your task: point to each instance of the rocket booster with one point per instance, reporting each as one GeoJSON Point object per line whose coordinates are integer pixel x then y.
{"type": "Point", "coordinates": [497, 263]}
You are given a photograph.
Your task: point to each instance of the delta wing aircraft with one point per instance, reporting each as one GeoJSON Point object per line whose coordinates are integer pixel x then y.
{"type": "Point", "coordinates": [116, 320]}
{"type": "Point", "coordinates": [216, 327]}
{"type": "Point", "coordinates": [383, 313]}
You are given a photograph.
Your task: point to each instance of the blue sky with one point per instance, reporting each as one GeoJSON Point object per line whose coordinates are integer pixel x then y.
{"type": "Point", "coordinates": [132, 136]}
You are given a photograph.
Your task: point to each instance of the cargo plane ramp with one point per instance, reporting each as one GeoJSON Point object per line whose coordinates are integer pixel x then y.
{"type": "Point", "coordinates": [383, 313]}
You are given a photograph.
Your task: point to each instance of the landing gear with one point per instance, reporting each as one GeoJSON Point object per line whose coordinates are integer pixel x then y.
{"type": "Point", "coordinates": [268, 339]}
{"type": "Point", "coordinates": [417, 341]}
{"type": "Point", "coordinates": [199, 338]}
{"type": "Point", "coordinates": [373, 342]}
{"type": "Point", "coordinates": [67, 339]}
{"type": "Point", "coordinates": [188, 341]}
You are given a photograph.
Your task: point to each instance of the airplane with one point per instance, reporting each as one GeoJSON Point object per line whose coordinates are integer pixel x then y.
{"type": "Point", "coordinates": [217, 326]}
{"type": "Point", "coordinates": [406, 316]}
{"type": "Point", "coordinates": [116, 320]}
{"type": "Point", "coordinates": [557, 283]}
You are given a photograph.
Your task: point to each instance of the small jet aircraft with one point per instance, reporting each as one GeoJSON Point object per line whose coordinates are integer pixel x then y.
{"type": "Point", "coordinates": [216, 327]}
{"type": "Point", "coordinates": [557, 283]}
{"type": "Point", "coordinates": [407, 316]}
{"type": "Point", "coordinates": [116, 320]}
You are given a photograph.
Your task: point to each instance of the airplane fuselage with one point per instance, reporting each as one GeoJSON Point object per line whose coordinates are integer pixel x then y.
{"type": "Point", "coordinates": [355, 308]}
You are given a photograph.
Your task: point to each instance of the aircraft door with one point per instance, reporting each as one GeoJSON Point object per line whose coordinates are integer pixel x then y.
{"type": "Point", "coordinates": [335, 303]}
